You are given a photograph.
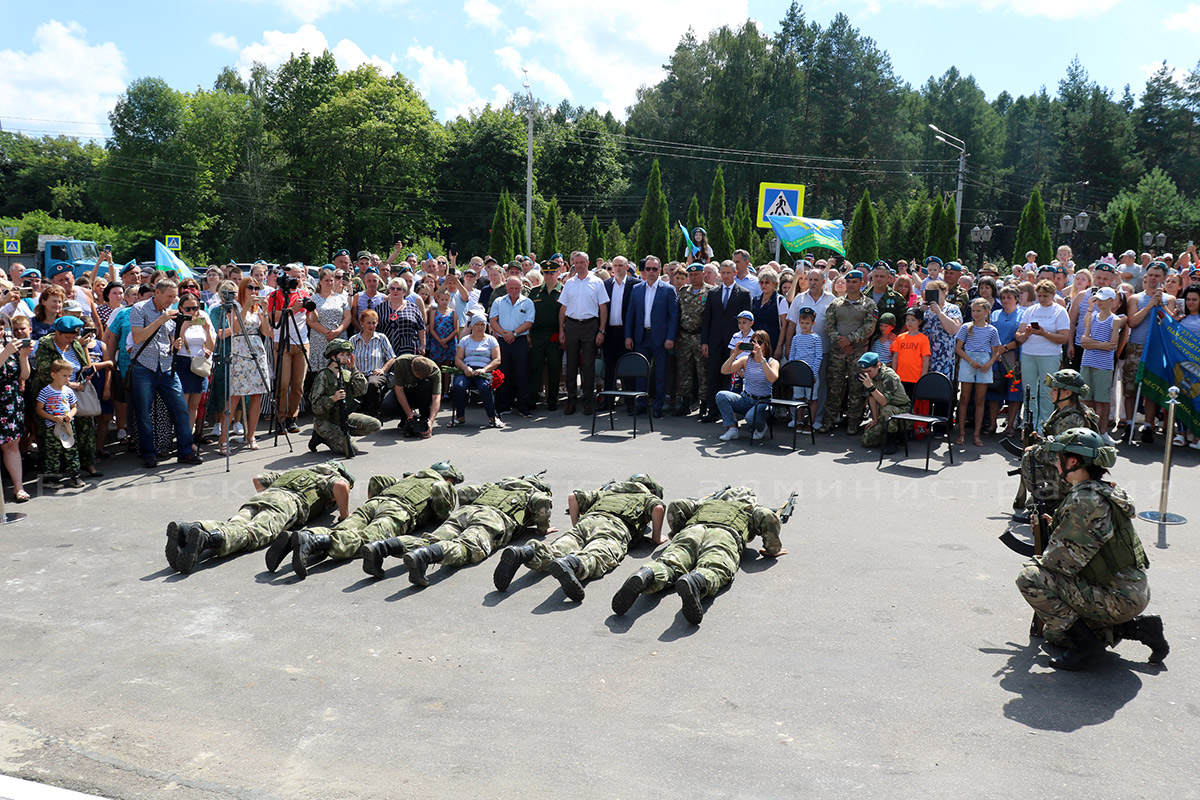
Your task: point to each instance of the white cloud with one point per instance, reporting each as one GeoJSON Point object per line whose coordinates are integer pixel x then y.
{"type": "Point", "coordinates": [482, 13]}
{"type": "Point", "coordinates": [543, 80]}
{"type": "Point", "coordinates": [223, 41]}
{"type": "Point", "coordinates": [444, 82]}
{"type": "Point", "coordinates": [521, 37]}
{"type": "Point", "coordinates": [1187, 20]}
{"type": "Point", "coordinates": [65, 78]}
{"type": "Point", "coordinates": [277, 47]}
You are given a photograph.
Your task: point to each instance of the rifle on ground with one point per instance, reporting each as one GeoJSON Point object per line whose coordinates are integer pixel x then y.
{"type": "Point", "coordinates": [787, 509]}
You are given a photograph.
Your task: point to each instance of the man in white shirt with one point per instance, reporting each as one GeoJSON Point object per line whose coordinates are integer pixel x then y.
{"type": "Point", "coordinates": [742, 276]}
{"type": "Point", "coordinates": [582, 320]}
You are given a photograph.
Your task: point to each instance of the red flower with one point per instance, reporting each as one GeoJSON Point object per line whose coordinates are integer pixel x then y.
{"type": "Point", "coordinates": [497, 379]}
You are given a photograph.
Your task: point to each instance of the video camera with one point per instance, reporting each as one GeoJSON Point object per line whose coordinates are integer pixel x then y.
{"type": "Point", "coordinates": [287, 283]}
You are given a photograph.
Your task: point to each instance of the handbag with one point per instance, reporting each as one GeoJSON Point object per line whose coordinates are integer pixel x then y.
{"type": "Point", "coordinates": [202, 365]}
{"type": "Point", "coordinates": [87, 402]}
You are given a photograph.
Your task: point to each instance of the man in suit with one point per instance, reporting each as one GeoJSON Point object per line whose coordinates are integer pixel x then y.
{"type": "Point", "coordinates": [651, 325]}
{"type": "Point", "coordinates": [620, 291]}
{"type": "Point", "coordinates": [721, 310]}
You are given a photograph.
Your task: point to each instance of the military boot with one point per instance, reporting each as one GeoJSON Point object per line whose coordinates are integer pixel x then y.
{"type": "Point", "coordinates": [636, 584]}
{"type": "Point", "coordinates": [373, 554]}
{"type": "Point", "coordinates": [691, 588]}
{"type": "Point", "coordinates": [566, 569]}
{"type": "Point", "coordinates": [1084, 651]}
{"type": "Point", "coordinates": [1147, 629]}
{"type": "Point", "coordinates": [278, 550]}
{"type": "Point", "coordinates": [176, 538]}
{"type": "Point", "coordinates": [308, 548]}
{"type": "Point", "coordinates": [511, 558]}
{"type": "Point", "coordinates": [419, 560]}
{"type": "Point", "coordinates": [313, 443]}
{"type": "Point", "coordinates": [196, 541]}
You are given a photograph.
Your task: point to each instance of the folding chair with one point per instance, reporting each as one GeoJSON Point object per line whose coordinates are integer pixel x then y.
{"type": "Point", "coordinates": [793, 375]}
{"type": "Point", "coordinates": [936, 388]}
{"type": "Point", "coordinates": [630, 367]}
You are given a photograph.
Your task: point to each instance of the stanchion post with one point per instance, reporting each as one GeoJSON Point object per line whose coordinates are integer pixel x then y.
{"type": "Point", "coordinates": [1162, 517]}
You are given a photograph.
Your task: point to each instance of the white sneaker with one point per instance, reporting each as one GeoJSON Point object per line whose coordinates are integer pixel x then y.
{"type": "Point", "coordinates": [759, 434]}
{"type": "Point", "coordinates": [122, 435]}
{"type": "Point", "coordinates": [729, 435]}
{"type": "Point", "coordinates": [216, 431]}
{"type": "Point", "coordinates": [237, 429]}
{"type": "Point", "coordinates": [791, 423]}
{"type": "Point", "coordinates": [1195, 445]}
{"type": "Point", "coordinates": [1108, 440]}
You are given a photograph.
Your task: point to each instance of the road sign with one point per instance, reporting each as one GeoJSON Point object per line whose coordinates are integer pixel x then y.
{"type": "Point", "coordinates": [174, 242]}
{"type": "Point", "coordinates": [779, 200]}
{"type": "Point", "coordinates": [12, 247]}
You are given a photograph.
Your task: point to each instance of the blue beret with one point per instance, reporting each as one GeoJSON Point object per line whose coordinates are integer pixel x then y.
{"type": "Point", "coordinates": [854, 273]}
{"type": "Point", "coordinates": [1060, 270]}
{"type": "Point", "coordinates": [68, 324]}
{"type": "Point", "coordinates": [933, 259]}
{"type": "Point", "coordinates": [695, 266]}
{"type": "Point", "coordinates": [862, 266]}
{"type": "Point", "coordinates": [342, 252]}
{"type": "Point", "coordinates": [128, 267]}
{"type": "Point", "coordinates": [329, 266]}
{"type": "Point", "coordinates": [556, 255]}
{"type": "Point", "coordinates": [868, 359]}
{"type": "Point", "coordinates": [1103, 266]}
{"type": "Point", "coordinates": [58, 269]}
{"type": "Point", "coordinates": [953, 266]}
{"type": "Point", "coordinates": [881, 263]}
{"type": "Point", "coordinates": [807, 311]}
{"type": "Point", "coordinates": [30, 273]}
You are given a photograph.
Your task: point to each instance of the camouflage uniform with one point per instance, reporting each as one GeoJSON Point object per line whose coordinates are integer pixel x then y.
{"type": "Point", "coordinates": [325, 410]}
{"type": "Point", "coordinates": [891, 302]}
{"type": "Point", "coordinates": [691, 366]}
{"type": "Point", "coordinates": [395, 507]}
{"type": "Point", "coordinates": [288, 500]}
{"type": "Point", "coordinates": [707, 536]}
{"type": "Point", "coordinates": [487, 518]}
{"type": "Point", "coordinates": [609, 519]}
{"type": "Point", "coordinates": [1039, 466]}
{"type": "Point", "coordinates": [854, 319]}
{"type": "Point", "coordinates": [544, 352]}
{"type": "Point", "coordinates": [960, 297]}
{"type": "Point", "coordinates": [887, 382]}
{"type": "Point", "coordinates": [1093, 567]}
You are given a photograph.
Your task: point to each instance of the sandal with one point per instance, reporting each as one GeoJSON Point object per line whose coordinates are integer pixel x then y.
{"type": "Point", "coordinates": [252, 444]}
{"type": "Point", "coordinates": [978, 442]}
{"type": "Point", "coordinates": [454, 423]}
{"type": "Point", "coordinates": [495, 423]}
{"type": "Point", "coordinates": [962, 439]}
{"type": "Point", "coordinates": [21, 496]}
{"type": "Point", "coordinates": [223, 451]}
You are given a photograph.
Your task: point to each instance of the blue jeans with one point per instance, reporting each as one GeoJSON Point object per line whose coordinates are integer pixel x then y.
{"type": "Point", "coordinates": [458, 392]}
{"type": "Point", "coordinates": [730, 404]}
{"type": "Point", "coordinates": [166, 384]}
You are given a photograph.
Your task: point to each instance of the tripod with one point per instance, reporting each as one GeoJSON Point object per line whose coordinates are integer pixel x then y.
{"type": "Point", "coordinates": [285, 329]}
{"type": "Point", "coordinates": [232, 308]}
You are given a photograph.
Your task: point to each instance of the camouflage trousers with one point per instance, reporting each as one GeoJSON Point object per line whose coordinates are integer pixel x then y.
{"type": "Point", "coordinates": [331, 434]}
{"type": "Point", "coordinates": [1043, 484]}
{"type": "Point", "coordinates": [712, 551]}
{"type": "Point", "coordinates": [599, 541]}
{"type": "Point", "coordinates": [873, 436]}
{"type": "Point", "coordinates": [252, 527]}
{"type": "Point", "coordinates": [844, 393]}
{"type": "Point", "coordinates": [1060, 600]}
{"type": "Point", "coordinates": [691, 368]}
{"type": "Point", "coordinates": [471, 534]}
{"type": "Point", "coordinates": [373, 521]}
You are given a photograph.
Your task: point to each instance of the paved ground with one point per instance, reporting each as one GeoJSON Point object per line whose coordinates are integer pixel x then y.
{"type": "Point", "coordinates": [887, 655]}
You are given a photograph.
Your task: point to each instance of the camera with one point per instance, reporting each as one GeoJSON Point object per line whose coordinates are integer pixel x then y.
{"type": "Point", "coordinates": [87, 330]}
{"type": "Point", "coordinates": [228, 296]}
{"type": "Point", "coordinates": [309, 306]}
{"type": "Point", "coordinates": [287, 283]}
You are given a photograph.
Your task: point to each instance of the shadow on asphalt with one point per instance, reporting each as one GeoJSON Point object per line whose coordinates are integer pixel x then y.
{"type": "Point", "coordinates": [530, 578]}
{"type": "Point", "coordinates": [644, 605]}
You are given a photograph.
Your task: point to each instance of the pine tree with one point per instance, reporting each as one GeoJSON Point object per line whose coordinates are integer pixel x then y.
{"type": "Point", "coordinates": [550, 230]}
{"type": "Point", "coordinates": [595, 244]}
{"type": "Point", "coordinates": [916, 229]}
{"type": "Point", "coordinates": [652, 224]}
{"type": "Point", "coordinates": [693, 217]}
{"type": "Point", "coordinates": [675, 244]}
{"type": "Point", "coordinates": [743, 226]}
{"type": "Point", "coordinates": [516, 224]}
{"type": "Point", "coordinates": [574, 234]}
{"type": "Point", "coordinates": [863, 244]}
{"type": "Point", "coordinates": [614, 241]}
{"type": "Point", "coordinates": [500, 241]}
{"type": "Point", "coordinates": [1032, 231]}
{"type": "Point", "coordinates": [1125, 234]}
{"type": "Point", "coordinates": [720, 231]}
{"type": "Point", "coordinates": [933, 233]}
{"type": "Point", "coordinates": [950, 231]}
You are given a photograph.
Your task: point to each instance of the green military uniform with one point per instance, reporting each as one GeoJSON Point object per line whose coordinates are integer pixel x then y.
{"type": "Point", "coordinates": [1039, 466]}
{"type": "Point", "coordinates": [394, 507]}
{"type": "Point", "coordinates": [854, 319]}
{"type": "Point", "coordinates": [609, 519]}
{"type": "Point", "coordinates": [288, 500]}
{"type": "Point", "coordinates": [960, 297]}
{"type": "Point", "coordinates": [888, 383]}
{"type": "Point", "coordinates": [52, 455]}
{"type": "Point", "coordinates": [891, 302]}
{"type": "Point", "coordinates": [1093, 566]}
{"type": "Point", "coordinates": [326, 421]}
{"type": "Point", "coordinates": [487, 518]}
{"type": "Point", "coordinates": [544, 352]}
{"type": "Point", "coordinates": [691, 366]}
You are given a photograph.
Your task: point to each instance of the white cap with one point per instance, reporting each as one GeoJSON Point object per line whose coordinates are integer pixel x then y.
{"type": "Point", "coordinates": [1106, 293]}
{"type": "Point", "coordinates": [1030, 253]}
{"type": "Point", "coordinates": [1129, 254]}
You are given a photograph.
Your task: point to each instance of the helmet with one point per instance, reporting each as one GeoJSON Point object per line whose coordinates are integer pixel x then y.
{"type": "Point", "coordinates": [1067, 379]}
{"type": "Point", "coordinates": [1085, 443]}
{"type": "Point", "coordinates": [338, 346]}
{"type": "Point", "coordinates": [447, 471]}
{"type": "Point", "coordinates": [651, 485]}
{"type": "Point", "coordinates": [537, 482]}
{"type": "Point", "coordinates": [340, 466]}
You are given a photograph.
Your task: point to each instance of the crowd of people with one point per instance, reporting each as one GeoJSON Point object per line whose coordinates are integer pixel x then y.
{"type": "Point", "coordinates": [168, 366]}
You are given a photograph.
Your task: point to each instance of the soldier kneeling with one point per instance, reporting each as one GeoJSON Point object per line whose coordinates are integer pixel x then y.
{"type": "Point", "coordinates": [331, 392]}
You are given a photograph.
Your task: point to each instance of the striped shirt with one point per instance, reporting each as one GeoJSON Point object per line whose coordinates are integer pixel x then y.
{"type": "Point", "coordinates": [755, 382]}
{"type": "Point", "coordinates": [807, 347]}
{"type": "Point", "coordinates": [1101, 331]}
{"type": "Point", "coordinates": [371, 355]}
{"type": "Point", "coordinates": [883, 349]}
{"type": "Point", "coordinates": [978, 338]}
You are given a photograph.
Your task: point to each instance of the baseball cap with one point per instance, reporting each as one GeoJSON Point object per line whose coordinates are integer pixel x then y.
{"type": "Point", "coordinates": [1029, 253]}
{"type": "Point", "coordinates": [1106, 293]}
{"type": "Point", "coordinates": [746, 315]}
{"type": "Point", "coordinates": [1129, 254]}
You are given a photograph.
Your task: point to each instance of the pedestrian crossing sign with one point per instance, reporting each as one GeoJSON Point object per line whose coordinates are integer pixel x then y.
{"type": "Point", "coordinates": [174, 242]}
{"type": "Point", "coordinates": [12, 247]}
{"type": "Point", "coordinates": [779, 200]}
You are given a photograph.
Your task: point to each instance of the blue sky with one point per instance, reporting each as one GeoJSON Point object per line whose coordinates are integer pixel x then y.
{"type": "Point", "coordinates": [63, 66]}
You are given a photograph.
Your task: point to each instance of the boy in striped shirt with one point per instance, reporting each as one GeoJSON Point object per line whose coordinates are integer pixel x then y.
{"type": "Point", "coordinates": [807, 347]}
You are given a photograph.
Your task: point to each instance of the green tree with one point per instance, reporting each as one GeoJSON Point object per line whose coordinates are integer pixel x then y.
{"type": "Point", "coordinates": [933, 235]}
{"type": "Point", "coordinates": [574, 233]}
{"type": "Point", "coordinates": [652, 223]}
{"type": "Point", "coordinates": [614, 241]}
{"type": "Point", "coordinates": [550, 242]}
{"type": "Point", "coordinates": [595, 244]}
{"type": "Point", "coordinates": [950, 233]}
{"type": "Point", "coordinates": [500, 245]}
{"type": "Point", "coordinates": [1126, 235]}
{"type": "Point", "coordinates": [863, 243]}
{"type": "Point", "coordinates": [917, 221]}
{"type": "Point", "coordinates": [1032, 232]}
{"type": "Point", "coordinates": [720, 231]}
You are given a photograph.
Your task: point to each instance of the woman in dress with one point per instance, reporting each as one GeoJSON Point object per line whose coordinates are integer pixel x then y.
{"type": "Point", "coordinates": [14, 372]}
{"type": "Point", "coordinates": [402, 320]}
{"type": "Point", "coordinates": [328, 322]}
{"type": "Point", "coordinates": [443, 331]}
{"type": "Point", "coordinates": [942, 321]}
{"type": "Point", "coordinates": [114, 300]}
{"type": "Point", "coordinates": [248, 366]}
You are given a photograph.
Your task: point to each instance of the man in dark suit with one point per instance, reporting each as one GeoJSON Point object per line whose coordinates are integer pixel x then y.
{"type": "Point", "coordinates": [651, 325]}
{"type": "Point", "coordinates": [721, 310]}
{"type": "Point", "coordinates": [620, 292]}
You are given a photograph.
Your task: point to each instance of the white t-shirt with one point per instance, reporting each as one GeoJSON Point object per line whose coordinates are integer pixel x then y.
{"type": "Point", "coordinates": [1052, 319]}
{"type": "Point", "coordinates": [583, 297]}
{"type": "Point", "coordinates": [194, 337]}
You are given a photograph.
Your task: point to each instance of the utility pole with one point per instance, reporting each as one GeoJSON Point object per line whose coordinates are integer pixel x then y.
{"type": "Point", "coordinates": [961, 147]}
{"type": "Point", "coordinates": [529, 173]}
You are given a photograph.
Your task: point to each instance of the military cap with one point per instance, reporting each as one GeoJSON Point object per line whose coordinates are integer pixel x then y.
{"type": "Point", "coordinates": [342, 252]}
{"type": "Point", "coordinates": [31, 272]}
{"type": "Point", "coordinates": [695, 266]}
{"type": "Point", "coordinates": [933, 260]}
{"type": "Point", "coordinates": [854, 274]}
{"type": "Point", "coordinates": [68, 324]}
{"type": "Point", "coordinates": [1103, 266]}
{"type": "Point", "coordinates": [868, 359]}
{"type": "Point", "coordinates": [338, 346]}
{"type": "Point", "coordinates": [953, 266]}
{"type": "Point", "coordinates": [807, 311]}
{"type": "Point", "coordinates": [54, 270]}
{"type": "Point", "coordinates": [880, 264]}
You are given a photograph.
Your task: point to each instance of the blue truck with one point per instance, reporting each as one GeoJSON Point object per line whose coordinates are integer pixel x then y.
{"type": "Point", "coordinates": [54, 250]}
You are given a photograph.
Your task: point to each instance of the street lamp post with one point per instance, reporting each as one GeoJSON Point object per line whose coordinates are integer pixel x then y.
{"type": "Point", "coordinates": [1154, 243]}
{"type": "Point", "coordinates": [529, 173]}
{"type": "Point", "coordinates": [980, 237]}
{"type": "Point", "coordinates": [1074, 226]}
{"type": "Point", "coordinates": [961, 147]}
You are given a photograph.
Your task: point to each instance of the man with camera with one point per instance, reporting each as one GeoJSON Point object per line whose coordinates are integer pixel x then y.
{"type": "Point", "coordinates": [1143, 316]}
{"type": "Point", "coordinates": [886, 398]}
{"type": "Point", "coordinates": [289, 317]}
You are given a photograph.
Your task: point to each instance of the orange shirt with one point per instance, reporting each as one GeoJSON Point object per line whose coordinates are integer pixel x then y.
{"type": "Point", "coordinates": [909, 350]}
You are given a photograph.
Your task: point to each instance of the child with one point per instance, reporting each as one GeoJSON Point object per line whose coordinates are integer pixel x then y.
{"type": "Point", "coordinates": [807, 347]}
{"type": "Point", "coordinates": [745, 329]}
{"type": "Point", "coordinates": [884, 339]}
{"type": "Point", "coordinates": [912, 350]}
{"type": "Point", "coordinates": [56, 404]}
{"type": "Point", "coordinates": [1101, 332]}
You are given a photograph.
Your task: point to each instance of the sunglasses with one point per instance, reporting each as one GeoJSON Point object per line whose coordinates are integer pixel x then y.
{"type": "Point", "coordinates": [395, 289]}
{"type": "Point", "coordinates": [649, 269]}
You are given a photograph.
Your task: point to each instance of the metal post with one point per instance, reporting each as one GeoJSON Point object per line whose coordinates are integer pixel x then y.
{"type": "Point", "coordinates": [962, 168]}
{"type": "Point", "coordinates": [1162, 516]}
{"type": "Point", "coordinates": [529, 176]}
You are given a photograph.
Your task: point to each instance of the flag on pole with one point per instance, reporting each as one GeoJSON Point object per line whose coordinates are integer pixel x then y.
{"type": "Point", "coordinates": [691, 246]}
{"type": "Point", "coordinates": [165, 260]}
{"type": "Point", "coordinates": [1172, 358]}
{"type": "Point", "coordinates": [798, 234]}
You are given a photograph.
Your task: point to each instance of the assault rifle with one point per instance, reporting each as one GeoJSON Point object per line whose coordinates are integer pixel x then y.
{"type": "Point", "coordinates": [344, 414]}
{"type": "Point", "coordinates": [787, 509]}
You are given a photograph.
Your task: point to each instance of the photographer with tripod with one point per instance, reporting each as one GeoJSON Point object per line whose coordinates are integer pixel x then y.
{"type": "Point", "coordinates": [289, 317]}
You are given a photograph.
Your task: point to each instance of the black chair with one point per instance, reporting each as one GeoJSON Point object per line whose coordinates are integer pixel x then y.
{"type": "Point", "coordinates": [936, 388]}
{"type": "Point", "coordinates": [792, 375]}
{"type": "Point", "coordinates": [630, 367]}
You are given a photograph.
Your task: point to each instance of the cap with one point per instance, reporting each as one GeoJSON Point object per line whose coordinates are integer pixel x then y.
{"type": "Point", "coordinates": [1129, 254]}
{"type": "Point", "coordinates": [1029, 253]}
{"type": "Point", "coordinates": [1103, 266]}
{"type": "Point", "coordinates": [746, 315]}
{"type": "Point", "coordinates": [887, 319]}
{"type": "Point", "coordinates": [933, 260]}
{"type": "Point", "coordinates": [514, 264]}
{"type": "Point", "coordinates": [855, 274]}
{"type": "Point", "coordinates": [868, 359]}
{"type": "Point", "coordinates": [695, 266]}
{"type": "Point", "coordinates": [881, 264]}
{"type": "Point", "coordinates": [363, 254]}
{"type": "Point", "coordinates": [72, 307]}
{"type": "Point", "coordinates": [477, 318]}
{"type": "Point", "coordinates": [147, 270]}
{"type": "Point", "coordinates": [988, 267]}
{"type": "Point", "coordinates": [342, 252]}
{"type": "Point", "coordinates": [68, 324]}
{"type": "Point", "coordinates": [489, 260]}
{"type": "Point", "coordinates": [1106, 293]}
{"type": "Point", "coordinates": [55, 270]}
{"type": "Point", "coordinates": [469, 271]}
{"type": "Point", "coordinates": [1060, 270]}
{"type": "Point", "coordinates": [556, 256]}
{"type": "Point", "coordinates": [808, 311]}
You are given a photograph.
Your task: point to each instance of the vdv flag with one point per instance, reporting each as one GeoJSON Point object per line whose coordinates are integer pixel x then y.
{"type": "Point", "coordinates": [1172, 358]}
{"type": "Point", "coordinates": [691, 246]}
{"type": "Point", "coordinates": [164, 260]}
{"type": "Point", "coordinates": [798, 234]}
